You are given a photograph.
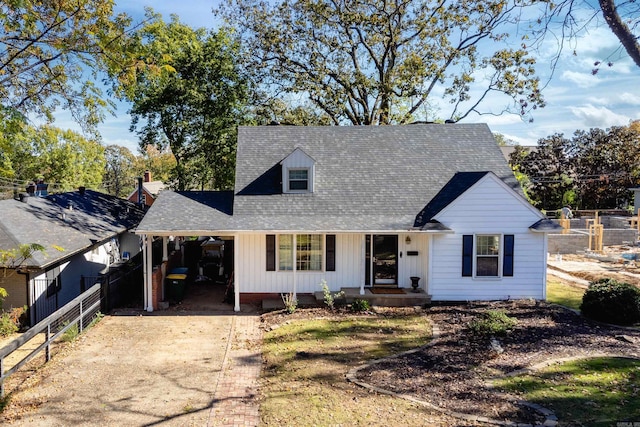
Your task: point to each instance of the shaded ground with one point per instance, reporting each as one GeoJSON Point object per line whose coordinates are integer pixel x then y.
{"type": "Point", "coordinates": [452, 373]}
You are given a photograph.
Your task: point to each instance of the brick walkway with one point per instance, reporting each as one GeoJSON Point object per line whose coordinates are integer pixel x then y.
{"type": "Point", "coordinates": [235, 402]}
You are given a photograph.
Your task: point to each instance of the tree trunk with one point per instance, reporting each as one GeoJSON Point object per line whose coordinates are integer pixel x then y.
{"type": "Point", "coordinates": [620, 29]}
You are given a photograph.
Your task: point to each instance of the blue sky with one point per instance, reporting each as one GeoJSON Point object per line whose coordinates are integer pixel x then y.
{"type": "Point", "coordinates": [575, 98]}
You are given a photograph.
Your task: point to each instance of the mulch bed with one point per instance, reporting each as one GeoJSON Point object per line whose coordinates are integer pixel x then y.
{"type": "Point", "coordinates": [452, 372]}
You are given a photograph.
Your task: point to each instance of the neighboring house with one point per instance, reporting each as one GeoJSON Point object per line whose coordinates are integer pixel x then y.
{"type": "Point", "coordinates": [93, 229]}
{"type": "Point", "coordinates": [150, 190]}
{"type": "Point", "coordinates": [367, 207]}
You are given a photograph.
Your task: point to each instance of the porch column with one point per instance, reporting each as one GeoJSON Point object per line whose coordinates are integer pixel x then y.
{"type": "Point", "coordinates": [545, 255]}
{"type": "Point", "coordinates": [295, 266]}
{"type": "Point", "coordinates": [363, 257]}
{"type": "Point", "coordinates": [149, 284]}
{"type": "Point", "coordinates": [427, 282]}
{"type": "Point", "coordinates": [165, 251]}
{"type": "Point", "coordinates": [236, 272]}
{"type": "Point", "coordinates": [165, 258]}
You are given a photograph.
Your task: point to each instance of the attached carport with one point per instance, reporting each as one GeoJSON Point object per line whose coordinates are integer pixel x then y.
{"type": "Point", "coordinates": [182, 215]}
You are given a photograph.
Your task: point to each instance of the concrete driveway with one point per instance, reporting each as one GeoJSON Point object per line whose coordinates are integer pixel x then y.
{"type": "Point", "coordinates": [143, 370]}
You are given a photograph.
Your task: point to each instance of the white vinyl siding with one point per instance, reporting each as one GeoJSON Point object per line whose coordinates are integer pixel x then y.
{"type": "Point", "coordinates": [488, 208]}
{"type": "Point", "coordinates": [298, 171]}
{"type": "Point", "coordinates": [349, 263]}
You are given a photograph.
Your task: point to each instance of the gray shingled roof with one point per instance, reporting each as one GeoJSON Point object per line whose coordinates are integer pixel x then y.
{"type": "Point", "coordinates": [366, 177]}
{"type": "Point", "coordinates": [94, 217]}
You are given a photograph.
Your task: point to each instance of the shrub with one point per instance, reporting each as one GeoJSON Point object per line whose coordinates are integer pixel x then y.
{"type": "Point", "coordinates": [290, 302]}
{"type": "Point", "coordinates": [7, 325]}
{"type": "Point", "coordinates": [70, 334]}
{"type": "Point", "coordinates": [360, 305]}
{"type": "Point", "coordinates": [608, 300]}
{"type": "Point", "coordinates": [330, 298]}
{"type": "Point", "coordinates": [492, 322]}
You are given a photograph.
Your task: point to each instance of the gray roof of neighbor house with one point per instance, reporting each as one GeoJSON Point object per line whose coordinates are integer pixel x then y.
{"type": "Point", "coordinates": [367, 178]}
{"type": "Point", "coordinates": [92, 218]}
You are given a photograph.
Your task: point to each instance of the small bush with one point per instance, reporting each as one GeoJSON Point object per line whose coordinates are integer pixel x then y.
{"type": "Point", "coordinates": [70, 334]}
{"type": "Point", "coordinates": [608, 300]}
{"type": "Point", "coordinates": [330, 298]}
{"type": "Point", "coordinates": [290, 302]}
{"type": "Point", "coordinates": [7, 325]}
{"type": "Point", "coordinates": [492, 322]}
{"type": "Point", "coordinates": [360, 305]}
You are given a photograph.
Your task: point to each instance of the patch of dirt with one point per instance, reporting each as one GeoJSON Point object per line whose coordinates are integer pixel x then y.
{"type": "Point", "coordinates": [453, 372]}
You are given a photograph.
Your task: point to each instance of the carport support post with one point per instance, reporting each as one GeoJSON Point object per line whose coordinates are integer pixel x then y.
{"type": "Point", "coordinates": [149, 274]}
{"type": "Point", "coordinates": [236, 272]}
{"type": "Point", "coordinates": [146, 273]}
{"type": "Point", "coordinates": [165, 259]}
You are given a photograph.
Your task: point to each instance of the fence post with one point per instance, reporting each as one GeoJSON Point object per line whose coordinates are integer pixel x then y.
{"type": "Point", "coordinates": [81, 316]}
{"type": "Point", "coordinates": [47, 337]}
{"type": "Point", "coordinates": [2, 377]}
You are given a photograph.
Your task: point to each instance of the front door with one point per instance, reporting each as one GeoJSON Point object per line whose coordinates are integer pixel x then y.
{"type": "Point", "coordinates": [383, 259]}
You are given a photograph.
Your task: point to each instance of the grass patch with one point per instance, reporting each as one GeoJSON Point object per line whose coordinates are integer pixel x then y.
{"type": "Point", "coordinates": [569, 296]}
{"type": "Point", "coordinates": [594, 392]}
{"type": "Point", "coordinates": [306, 361]}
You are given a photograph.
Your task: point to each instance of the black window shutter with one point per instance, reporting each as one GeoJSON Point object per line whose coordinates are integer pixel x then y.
{"type": "Point", "coordinates": [507, 262]}
{"type": "Point", "coordinates": [467, 255]}
{"type": "Point", "coordinates": [271, 252]}
{"type": "Point", "coordinates": [331, 252]}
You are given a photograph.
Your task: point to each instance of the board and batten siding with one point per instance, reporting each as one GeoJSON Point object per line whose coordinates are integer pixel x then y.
{"type": "Point", "coordinates": [255, 279]}
{"type": "Point", "coordinates": [349, 272]}
{"type": "Point", "coordinates": [488, 207]}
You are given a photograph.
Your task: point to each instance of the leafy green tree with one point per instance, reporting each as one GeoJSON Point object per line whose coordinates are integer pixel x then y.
{"type": "Point", "coordinates": [64, 158]}
{"type": "Point", "coordinates": [608, 165]}
{"type": "Point", "coordinates": [51, 53]}
{"type": "Point", "coordinates": [120, 171]}
{"type": "Point", "coordinates": [593, 169]}
{"type": "Point", "coordinates": [274, 110]}
{"type": "Point", "coordinates": [192, 104]}
{"type": "Point", "coordinates": [159, 163]}
{"type": "Point", "coordinates": [382, 62]}
{"type": "Point", "coordinates": [549, 171]}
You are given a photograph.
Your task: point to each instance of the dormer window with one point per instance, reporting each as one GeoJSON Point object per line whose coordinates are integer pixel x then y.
{"type": "Point", "coordinates": [298, 172]}
{"type": "Point", "coordinates": [298, 179]}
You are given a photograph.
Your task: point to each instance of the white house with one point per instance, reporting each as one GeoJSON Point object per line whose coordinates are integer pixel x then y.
{"type": "Point", "coordinates": [368, 207]}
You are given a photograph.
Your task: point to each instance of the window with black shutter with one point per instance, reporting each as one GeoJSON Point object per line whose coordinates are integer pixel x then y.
{"type": "Point", "coordinates": [507, 262]}
{"type": "Point", "coordinates": [467, 255]}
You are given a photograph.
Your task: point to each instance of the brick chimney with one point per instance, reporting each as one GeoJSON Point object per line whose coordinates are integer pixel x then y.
{"type": "Point", "coordinates": [147, 176]}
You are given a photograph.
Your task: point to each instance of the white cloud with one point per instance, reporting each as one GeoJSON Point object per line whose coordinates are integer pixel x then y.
{"type": "Point", "coordinates": [629, 98]}
{"type": "Point", "coordinates": [601, 117]}
{"type": "Point", "coordinates": [581, 79]}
